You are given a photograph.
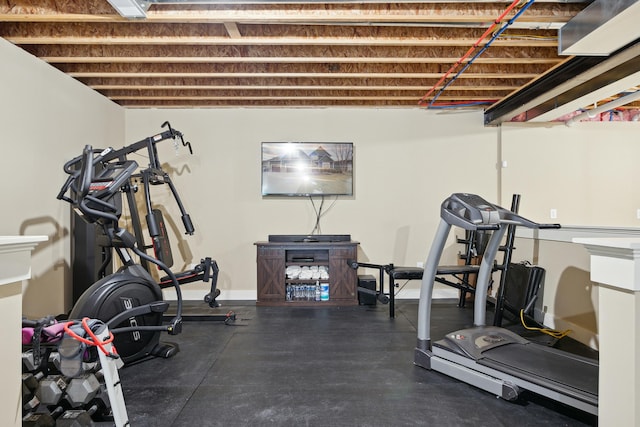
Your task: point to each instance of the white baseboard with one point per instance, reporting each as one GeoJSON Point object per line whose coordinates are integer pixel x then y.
{"type": "Point", "coordinates": [578, 333]}
{"type": "Point", "coordinates": [249, 295]}
{"type": "Point", "coordinates": [437, 294]}
{"type": "Point", "coordinates": [198, 295]}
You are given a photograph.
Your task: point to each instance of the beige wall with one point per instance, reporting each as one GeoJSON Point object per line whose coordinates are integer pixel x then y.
{"type": "Point", "coordinates": [586, 172]}
{"type": "Point", "coordinates": [406, 163]}
{"type": "Point", "coordinates": [46, 119]}
{"type": "Point", "coordinates": [569, 299]}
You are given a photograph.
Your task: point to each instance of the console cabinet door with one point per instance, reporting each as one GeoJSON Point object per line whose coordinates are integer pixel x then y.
{"type": "Point", "coordinates": [344, 279]}
{"type": "Point", "coordinates": [271, 268]}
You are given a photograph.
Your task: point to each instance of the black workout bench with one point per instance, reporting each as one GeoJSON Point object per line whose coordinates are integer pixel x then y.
{"type": "Point", "coordinates": [460, 272]}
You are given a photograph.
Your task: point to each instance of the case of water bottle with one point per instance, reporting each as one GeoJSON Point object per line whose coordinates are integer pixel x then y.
{"type": "Point", "coordinates": [307, 283]}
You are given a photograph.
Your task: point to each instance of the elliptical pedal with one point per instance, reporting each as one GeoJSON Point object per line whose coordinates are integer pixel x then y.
{"type": "Point", "coordinates": [211, 299]}
{"type": "Point", "coordinates": [165, 350]}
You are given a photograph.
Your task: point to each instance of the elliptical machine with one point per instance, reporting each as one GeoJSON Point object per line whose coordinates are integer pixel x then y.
{"type": "Point", "coordinates": [130, 300]}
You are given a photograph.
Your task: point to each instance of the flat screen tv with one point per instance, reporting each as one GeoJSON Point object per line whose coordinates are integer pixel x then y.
{"type": "Point", "coordinates": [307, 169]}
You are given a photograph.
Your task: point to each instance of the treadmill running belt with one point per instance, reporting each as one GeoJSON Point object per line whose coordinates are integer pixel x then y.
{"type": "Point", "coordinates": [548, 367]}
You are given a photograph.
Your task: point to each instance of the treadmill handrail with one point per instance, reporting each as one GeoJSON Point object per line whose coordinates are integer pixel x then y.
{"type": "Point", "coordinates": [509, 217]}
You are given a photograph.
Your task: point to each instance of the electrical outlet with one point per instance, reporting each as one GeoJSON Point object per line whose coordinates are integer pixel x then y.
{"type": "Point", "coordinates": [420, 264]}
{"type": "Point", "coordinates": [637, 213]}
{"type": "Point", "coordinates": [553, 213]}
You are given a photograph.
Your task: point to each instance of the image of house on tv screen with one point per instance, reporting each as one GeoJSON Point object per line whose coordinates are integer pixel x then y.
{"type": "Point", "coordinates": [307, 169]}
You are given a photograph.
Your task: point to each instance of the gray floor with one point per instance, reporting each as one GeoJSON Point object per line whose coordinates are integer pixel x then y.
{"type": "Point", "coordinates": [284, 366]}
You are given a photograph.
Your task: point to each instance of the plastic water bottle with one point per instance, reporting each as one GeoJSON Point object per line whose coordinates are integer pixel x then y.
{"type": "Point", "coordinates": [324, 292]}
{"type": "Point", "coordinates": [317, 287]}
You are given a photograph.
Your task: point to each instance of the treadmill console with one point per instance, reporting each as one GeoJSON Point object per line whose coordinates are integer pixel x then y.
{"type": "Point", "coordinates": [470, 212]}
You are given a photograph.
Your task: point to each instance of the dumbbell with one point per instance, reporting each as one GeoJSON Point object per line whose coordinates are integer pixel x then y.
{"type": "Point", "coordinates": [54, 360]}
{"type": "Point", "coordinates": [29, 361]}
{"type": "Point", "coordinates": [51, 389]}
{"type": "Point", "coordinates": [77, 417]}
{"type": "Point", "coordinates": [42, 419]}
{"type": "Point", "coordinates": [104, 404]}
{"type": "Point", "coordinates": [30, 403]}
{"type": "Point", "coordinates": [30, 383]}
{"type": "Point", "coordinates": [38, 420]}
{"type": "Point", "coordinates": [82, 390]}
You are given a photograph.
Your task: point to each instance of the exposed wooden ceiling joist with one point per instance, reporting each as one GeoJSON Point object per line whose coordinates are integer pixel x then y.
{"type": "Point", "coordinates": [288, 54]}
{"type": "Point", "coordinates": [405, 13]}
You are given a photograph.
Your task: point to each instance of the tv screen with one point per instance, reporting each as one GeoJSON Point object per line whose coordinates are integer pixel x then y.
{"type": "Point", "coordinates": [307, 169]}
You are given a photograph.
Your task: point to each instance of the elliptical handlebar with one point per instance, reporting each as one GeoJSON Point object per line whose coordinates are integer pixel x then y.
{"type": "Point", "coordinates": [85, 175]}
{"type": "Point", "coordinates": [94, 203]}
{"type": "Point", "coordinates": [74, 173]}
{"type": "Point", "coordinates": [82, 188]}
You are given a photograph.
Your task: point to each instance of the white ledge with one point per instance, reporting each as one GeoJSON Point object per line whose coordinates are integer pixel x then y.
{"type": "Point", "coordinates": [15, 257]}
{"type": "Point", "coordinates": [614, 261]}
{"type": "Point", "coordinates": [567, 233]}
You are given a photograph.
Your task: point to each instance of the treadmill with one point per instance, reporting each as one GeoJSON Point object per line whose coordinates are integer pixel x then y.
{"type": "Point", "coordinates": [489, 357]}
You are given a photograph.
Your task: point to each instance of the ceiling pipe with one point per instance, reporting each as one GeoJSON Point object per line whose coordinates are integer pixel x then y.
{"type": "Point", "coordinates": [623, 100]}
{"type": "Point", "coordinates": [488, 31]}
{"type": "Point", "coordinates": [481, 51]}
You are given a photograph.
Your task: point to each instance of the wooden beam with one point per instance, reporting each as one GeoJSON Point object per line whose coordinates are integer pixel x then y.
{"type": "Point", "coordinates": [122, 53]}
{"type": "Point", "coordinates": [302, 59]}
{"type": "Point", "coordinates": [264, 41]}
{"type": "Point", "coordinates": [139, 87]}
{"type": "Point", "coordinates": [383, 13]}
{"type": "Point", "coordinates": [273, 97]}
{"type": "Point", "coordinates": [232, 30]}
{"type": "Point", "coordinates": [176, 75]}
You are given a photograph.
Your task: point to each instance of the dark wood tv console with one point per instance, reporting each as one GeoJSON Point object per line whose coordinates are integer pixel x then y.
{"type": "Point", "coordinates": [273, 258]}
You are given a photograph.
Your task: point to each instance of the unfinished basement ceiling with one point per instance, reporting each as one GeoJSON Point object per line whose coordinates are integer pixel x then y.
{"type": "Point", "coordinates": [293, 54]}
